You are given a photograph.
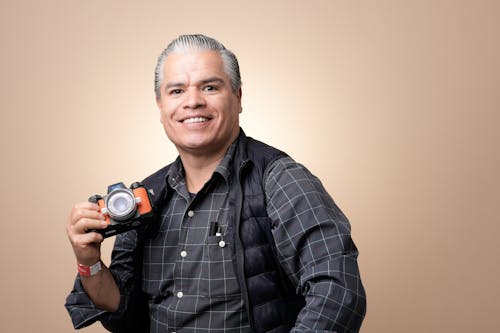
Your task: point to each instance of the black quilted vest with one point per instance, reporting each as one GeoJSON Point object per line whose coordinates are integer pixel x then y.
{"type": "Point", "coordinates": [270, 298]}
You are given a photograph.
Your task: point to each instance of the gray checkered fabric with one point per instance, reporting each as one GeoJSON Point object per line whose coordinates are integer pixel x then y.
{"type": "Point", "coordinates": [313, 239]}
{"type": "Point", "coordinates": [187, 267]}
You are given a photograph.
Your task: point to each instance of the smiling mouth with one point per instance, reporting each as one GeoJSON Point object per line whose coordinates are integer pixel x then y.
{"type": "Point", "coordinates": [195, 120]}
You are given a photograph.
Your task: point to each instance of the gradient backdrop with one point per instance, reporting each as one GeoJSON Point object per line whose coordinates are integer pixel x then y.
{"type": "Point", "coordinates": [395, 105]}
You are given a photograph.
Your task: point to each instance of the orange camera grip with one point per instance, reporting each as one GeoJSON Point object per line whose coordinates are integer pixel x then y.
{"type": "Point", "coordinates": [102, 205]}
{"type": "Point", "coordinates": [145, 205]}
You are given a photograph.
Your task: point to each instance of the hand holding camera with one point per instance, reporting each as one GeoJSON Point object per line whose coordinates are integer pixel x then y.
{"type": "Point", "coordinates": [124, 209]}
{"type": "Point", "coordinates": [86, 246]}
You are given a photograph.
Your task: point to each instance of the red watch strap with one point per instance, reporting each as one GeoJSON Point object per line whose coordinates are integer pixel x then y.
{"type": "Point", "coordinates": [89, 270]}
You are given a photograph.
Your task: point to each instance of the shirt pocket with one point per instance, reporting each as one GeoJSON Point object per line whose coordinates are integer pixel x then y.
{"type": "Point", "coordinates": [217, 273]}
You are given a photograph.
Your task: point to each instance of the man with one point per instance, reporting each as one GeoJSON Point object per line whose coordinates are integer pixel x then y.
{"type": "Point", "coordinates": [244, 239]}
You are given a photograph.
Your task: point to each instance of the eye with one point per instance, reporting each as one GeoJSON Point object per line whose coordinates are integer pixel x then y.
{"type": "Point", "coordinates": [209, 88]}
{"type": "Point", "coordinates": [175, 92]}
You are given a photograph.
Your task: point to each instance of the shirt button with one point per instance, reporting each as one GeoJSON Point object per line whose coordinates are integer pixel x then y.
{"type": "Point", "coordinates": [183, 254]}
{"type": "Point", "coordinates": [190, 213]}
{"type": "Point", "coordinates": [180, 294]}
{"type": "Point", "coordinates": [222, 243]}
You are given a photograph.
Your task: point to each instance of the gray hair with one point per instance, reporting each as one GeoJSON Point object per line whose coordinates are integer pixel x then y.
{"type": "Point", "coordinates": [199, 42]}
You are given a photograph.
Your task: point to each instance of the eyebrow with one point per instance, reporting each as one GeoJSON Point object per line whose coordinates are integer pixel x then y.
{"type": "Point", "coordinates": [173, 84]}
{"type": "Point", "coordinates": [214, 79]}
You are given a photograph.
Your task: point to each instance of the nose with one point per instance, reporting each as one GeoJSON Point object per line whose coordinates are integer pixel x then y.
{"type": "Point", "coordinates": [194, 99]}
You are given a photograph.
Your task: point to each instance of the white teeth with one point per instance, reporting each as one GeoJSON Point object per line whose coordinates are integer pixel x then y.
{"type": "Point", "coordinates": [195, 120]}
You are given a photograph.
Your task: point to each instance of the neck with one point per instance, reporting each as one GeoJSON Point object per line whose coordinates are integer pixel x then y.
{"type": "Point", "coordinates": [199, 168]}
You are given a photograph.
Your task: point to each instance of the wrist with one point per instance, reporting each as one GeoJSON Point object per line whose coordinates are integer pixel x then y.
{"type": "Point", "coordinates": [91, 270]}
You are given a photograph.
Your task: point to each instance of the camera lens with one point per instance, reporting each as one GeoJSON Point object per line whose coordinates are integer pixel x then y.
{"type": "Point", "coordinates": [121, 204]}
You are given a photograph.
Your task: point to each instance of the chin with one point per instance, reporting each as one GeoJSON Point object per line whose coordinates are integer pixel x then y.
{"type": "Point", "coordinates": [194, 144]}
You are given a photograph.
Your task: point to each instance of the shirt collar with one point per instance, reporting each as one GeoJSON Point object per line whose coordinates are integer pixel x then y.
{"type": "Point", "coordinates": [225, 166]}
{"type": "Point", "coordinates": [175, 174]}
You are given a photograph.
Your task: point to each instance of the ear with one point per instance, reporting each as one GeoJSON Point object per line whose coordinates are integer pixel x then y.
{"type": "Point", "coordinates": [239, 94]}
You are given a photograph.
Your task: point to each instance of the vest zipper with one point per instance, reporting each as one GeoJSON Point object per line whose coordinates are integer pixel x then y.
{"type": "Point", "coordinates": [240, 253]}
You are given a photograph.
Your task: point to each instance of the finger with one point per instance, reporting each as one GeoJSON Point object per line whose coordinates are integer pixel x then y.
{"type": "Point", "coordinates": [85, 210]}
{"type": "Point", "coordinates": [90, 238]}
{"type": "Point", "coordinates": [83, 225]}
{"type": "Point", "coordinates": [87, 205]}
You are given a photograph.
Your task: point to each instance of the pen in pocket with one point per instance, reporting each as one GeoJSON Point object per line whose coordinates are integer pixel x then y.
{"type": "Point", "coordinates": [213, 227]}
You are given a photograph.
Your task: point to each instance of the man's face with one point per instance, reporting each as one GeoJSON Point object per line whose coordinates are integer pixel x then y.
{"type": "Point", "coordinates": [199, 110]}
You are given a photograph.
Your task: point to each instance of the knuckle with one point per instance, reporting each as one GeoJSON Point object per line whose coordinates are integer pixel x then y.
{"type": "Point", "coordinates": [79, 214]}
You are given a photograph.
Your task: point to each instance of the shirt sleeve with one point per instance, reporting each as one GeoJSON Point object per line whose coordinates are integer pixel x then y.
{"type": "Point", "coordinates": [125, 268]}
{"type": "Point", "coordinates": [315, 249]}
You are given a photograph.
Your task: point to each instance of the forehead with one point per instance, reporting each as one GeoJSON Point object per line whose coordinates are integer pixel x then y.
{"type": "Point", "coordinates": [192, 64]}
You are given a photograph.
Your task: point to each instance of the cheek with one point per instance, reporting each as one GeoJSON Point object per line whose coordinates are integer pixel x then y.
{"type": "Point", "coordinates": [167, 126]}
{"type": "Point", "coordinates": [231, 110]}
{"type": "Point", "coordinates": [166, 121]}
{"type": "Point", "coordinates": [166, 114]}
{"type": "Point", "coordinates": [163, 118]}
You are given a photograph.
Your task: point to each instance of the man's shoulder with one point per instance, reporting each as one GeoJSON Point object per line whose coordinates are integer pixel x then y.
{"type": "Point", "coordinates": [260, 151]}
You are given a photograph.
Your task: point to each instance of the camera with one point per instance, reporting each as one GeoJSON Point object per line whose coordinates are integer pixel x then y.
{"type": "Point", "coordinates": [124, 208]}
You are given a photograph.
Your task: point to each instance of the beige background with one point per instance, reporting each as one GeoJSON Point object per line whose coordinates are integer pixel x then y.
{"type": "Point", "coordinates": [395, 105]}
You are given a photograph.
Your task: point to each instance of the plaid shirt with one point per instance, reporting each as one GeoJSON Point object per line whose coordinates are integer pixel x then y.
{"type": "Point", "coordinates": [188, 269]}
{"type": "Point", "coordinates": [189, 278]}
